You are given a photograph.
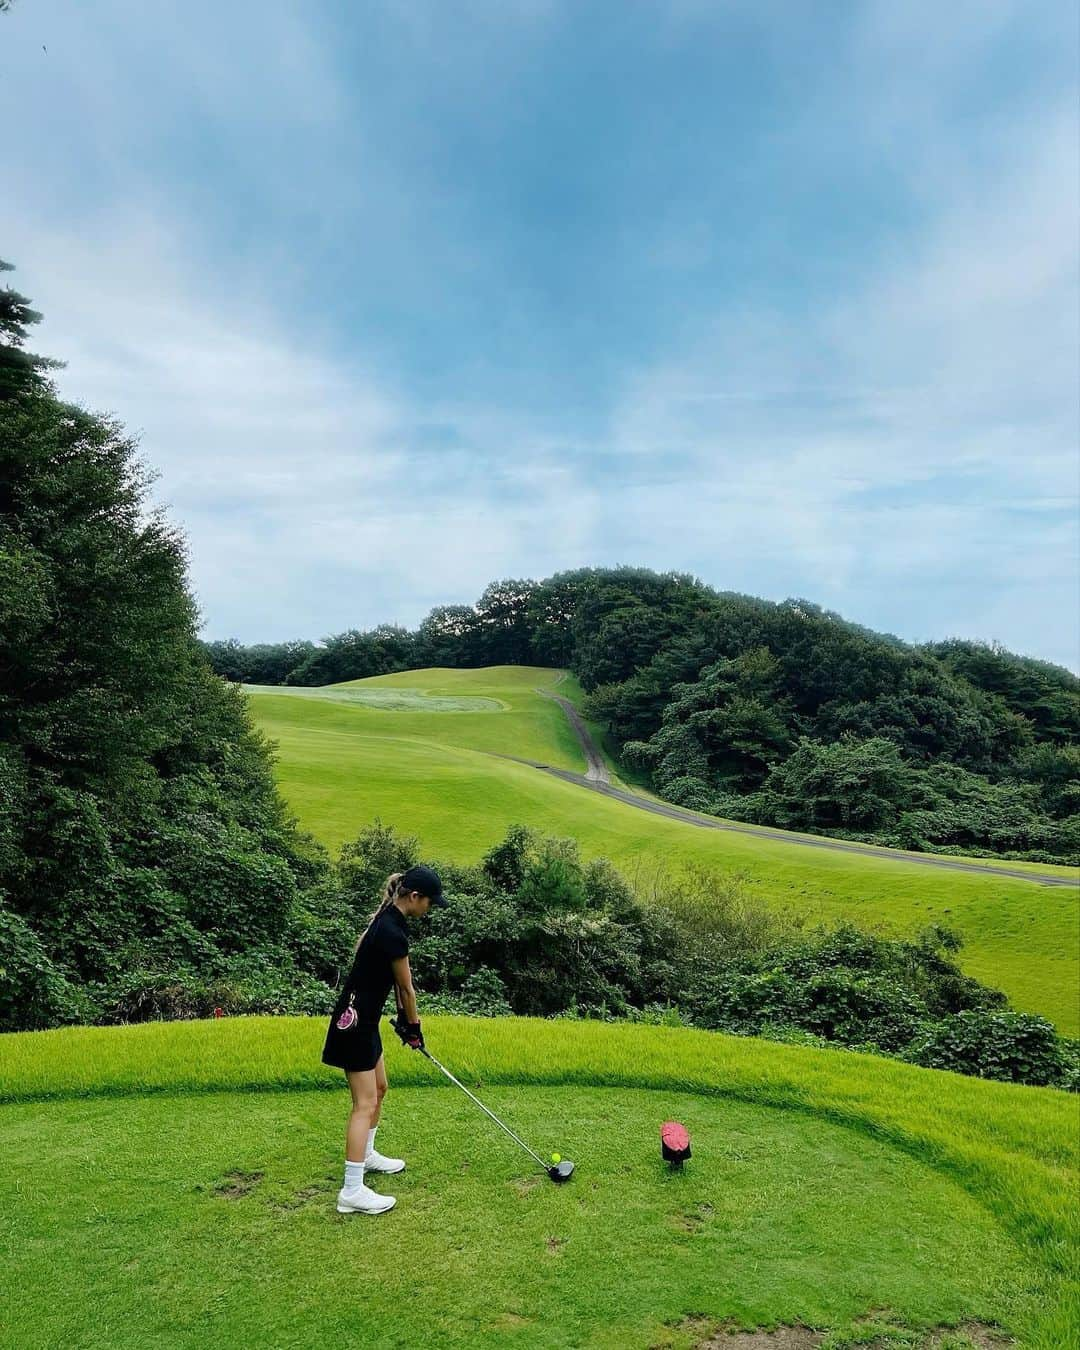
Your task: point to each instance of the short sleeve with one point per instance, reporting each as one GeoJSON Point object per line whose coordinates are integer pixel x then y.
{"type": "Point", "coordinates": [393, 943]}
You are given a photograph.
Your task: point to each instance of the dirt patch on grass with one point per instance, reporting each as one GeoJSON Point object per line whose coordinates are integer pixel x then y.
{"type": "Point", "coordinates": [783, 1338]}
{"type": "Point", "coordinates": [978, 1333]}
{"type": "Point", "coordinates": [235, 1184]}
{"type": "Point", "coordinates": [507, 1321]}
{"type": "Point", "coordinates": [304, 1197]}
{"type": "Point", "coordinates": [692, 1220]}
{"type": "Point", "coordinates": [554, 1243]}
{"type": "Point", "coordinates": [523, 1185]}
{"type": "Point", "coordinates": [707, 1333]}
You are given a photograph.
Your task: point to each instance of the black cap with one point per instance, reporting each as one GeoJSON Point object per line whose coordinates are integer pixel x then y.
{"type": "Point", "coordinates": [426, 881]}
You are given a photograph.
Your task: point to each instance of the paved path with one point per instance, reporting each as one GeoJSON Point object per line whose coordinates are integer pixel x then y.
{"type": "Point", "coordinates": [598, 778]}
{"type": "Point", "coordinates": [597, 770]}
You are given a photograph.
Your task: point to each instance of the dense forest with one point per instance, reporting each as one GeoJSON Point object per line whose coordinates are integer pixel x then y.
{"type": "Point", "coordinates": [782, 714]}
{"type": "Point", "coordinates": [148, 867]}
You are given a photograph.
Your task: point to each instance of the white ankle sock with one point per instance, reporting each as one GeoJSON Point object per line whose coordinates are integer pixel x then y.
{"type": "Point", "coordinates": [354, 1175]}
{"type": "Point", "coordinates": [371, 1141]}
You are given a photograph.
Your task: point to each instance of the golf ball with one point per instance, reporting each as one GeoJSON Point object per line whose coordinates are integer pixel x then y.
{"type": "Point", "coordinates": [555, 1158]}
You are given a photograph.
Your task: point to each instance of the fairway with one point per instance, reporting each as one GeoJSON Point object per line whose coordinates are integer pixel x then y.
{"type": "Point", "coordinates": [443, 778]}
{"type": "Point", "coordinates": [184, 1191]}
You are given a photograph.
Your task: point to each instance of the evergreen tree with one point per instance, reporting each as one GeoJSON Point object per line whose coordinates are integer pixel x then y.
{"type": "Point", "coordinates": [141, 827]}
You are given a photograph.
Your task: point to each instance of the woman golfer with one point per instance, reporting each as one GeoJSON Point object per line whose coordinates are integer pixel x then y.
{"type": "Point", "coordinates": [381, 962]}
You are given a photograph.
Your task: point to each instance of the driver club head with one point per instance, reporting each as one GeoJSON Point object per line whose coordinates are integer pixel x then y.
{"type": "Point", "coordinates": [562, 1171]}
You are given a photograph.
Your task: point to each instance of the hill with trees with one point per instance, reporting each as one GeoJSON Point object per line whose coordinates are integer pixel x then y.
{"type": "Point", "coordinates": [782, 714]}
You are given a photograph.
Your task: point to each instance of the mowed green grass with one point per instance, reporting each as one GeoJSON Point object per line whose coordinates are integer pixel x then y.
{"type": "Point", "coordinates": [441, 777]}
{"type": "Point", "coordinates": [173, 1184]}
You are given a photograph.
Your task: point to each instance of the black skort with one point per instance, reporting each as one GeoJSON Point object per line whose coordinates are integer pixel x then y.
{"type": "Point", "coordinates": [354, 1050]}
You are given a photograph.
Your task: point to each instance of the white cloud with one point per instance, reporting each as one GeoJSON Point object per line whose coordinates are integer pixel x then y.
{"type": "Point", "coordinates": [918, 437]}
{"type": "Point", "coordinates": [902, 454]}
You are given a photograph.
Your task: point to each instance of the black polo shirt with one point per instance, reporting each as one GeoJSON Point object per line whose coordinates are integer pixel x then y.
{"type": "Point", "coordinates": [371, 977]}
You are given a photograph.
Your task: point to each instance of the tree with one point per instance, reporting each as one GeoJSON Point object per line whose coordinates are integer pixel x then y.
{"type": "Point", "coordinates": [19, 369]}
{"type": "Point", "coordinates": [503, 615]}
{"type": "Point", "coordinates": [450, 636]}
{"type": "Point", "coordinates": [142, 829]}
{"type": "Point", "coordinates": [850, 785]}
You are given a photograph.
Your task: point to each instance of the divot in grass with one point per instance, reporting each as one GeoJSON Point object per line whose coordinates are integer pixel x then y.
{"type": "Point", "coordinates": [523, 1185]}
{"type": "Point", "coordinates": [508, 1321]}
{"type": "Point", "coordinates": [237, 1184]}
{"type": "Point", "coordinates": [319, 1191]}
{"type": "Point", "coordinates": [693, 1220]}
{"type": "Point", "coordinates": [783, 1338]}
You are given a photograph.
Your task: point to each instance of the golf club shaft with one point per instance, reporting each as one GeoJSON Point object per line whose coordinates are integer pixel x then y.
{"type": "Point", "coordinates": [425, 1051]}
{"type": "Point", "coordinates": [483, 1108]}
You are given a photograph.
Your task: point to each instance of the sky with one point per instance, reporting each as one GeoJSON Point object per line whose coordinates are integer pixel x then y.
{"type": "Point", "coordinates": [406, 296]}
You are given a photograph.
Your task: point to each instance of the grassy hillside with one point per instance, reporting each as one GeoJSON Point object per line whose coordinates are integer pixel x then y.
{"type": "Point", "coordinates": [184, 1192]}
{"type": "Point", "coordinates": [439, 775]}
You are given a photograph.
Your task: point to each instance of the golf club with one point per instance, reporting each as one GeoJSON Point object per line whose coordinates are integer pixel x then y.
{"type": "Point", "coordinates": [560, 1169]}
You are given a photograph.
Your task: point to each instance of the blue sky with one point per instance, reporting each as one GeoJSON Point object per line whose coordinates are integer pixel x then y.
{"type": "Point", "coordinates": [404, 297]}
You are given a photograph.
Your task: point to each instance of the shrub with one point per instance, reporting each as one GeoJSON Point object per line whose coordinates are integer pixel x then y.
{"type": "Point", "coordinates": [713, 913]}
{"type": "Point", "coordinates": [482, 995]}
{"type": "Point", "coordinates": [693, 793]}
{"type": "Point", "coordinates": [254, 984]}
{"type": "Point", "coordinates": [1016, 1047]}
{"type": "Point", "coordinates": [1070, 1074]}
{"type": "Point", "coordinates": [33, 992]}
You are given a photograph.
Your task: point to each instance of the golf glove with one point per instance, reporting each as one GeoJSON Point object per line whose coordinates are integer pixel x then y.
{"type": "Point", "coordinates": [410, 1033]}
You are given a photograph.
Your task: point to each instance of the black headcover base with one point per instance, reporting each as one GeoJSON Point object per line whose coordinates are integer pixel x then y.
{"type": "Point", "coordinates": [562, 1171]}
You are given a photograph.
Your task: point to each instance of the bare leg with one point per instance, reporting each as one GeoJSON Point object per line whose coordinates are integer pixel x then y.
{"type": "Point", "coordinates": [365, 1111]}
{"type": "Point", "coordinates": [381, 1089]}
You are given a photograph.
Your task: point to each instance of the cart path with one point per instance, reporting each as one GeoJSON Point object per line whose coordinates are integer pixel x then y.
{"type": "Point", "coordinates": [597, 770]}
{"type": "Point", "coordinates": [599, 780]}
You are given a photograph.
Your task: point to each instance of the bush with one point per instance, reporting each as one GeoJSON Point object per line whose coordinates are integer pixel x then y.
{"type": "Point", "coordinates": [1070, 1074]}
{"type": "Point", "coordinates": [1015, 1047]}
{"type": "Point", "coordinates": [693, 793]}
{"type": "Point", "coordinates": [715, 914]}
{"type": "Point", "coordinates": [33, 992]}
{"type": "Point", "coordinates": [482, 995]}
{"type": "Point", "coordinates": [255, 984]}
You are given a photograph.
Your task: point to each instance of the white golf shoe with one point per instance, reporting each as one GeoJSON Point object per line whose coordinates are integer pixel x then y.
{"type": "Point", "coordinates": [375, 1162]}
{"type": "Point", "coordinates": [363, 1200]}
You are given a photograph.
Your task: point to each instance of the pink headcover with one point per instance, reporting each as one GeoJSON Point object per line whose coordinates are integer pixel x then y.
{"type": "Point", "coordinates": [674, 1137]}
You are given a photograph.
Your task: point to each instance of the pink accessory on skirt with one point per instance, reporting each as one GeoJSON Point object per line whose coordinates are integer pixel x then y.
{"type": "Point", "coordinates": [348, 1017]}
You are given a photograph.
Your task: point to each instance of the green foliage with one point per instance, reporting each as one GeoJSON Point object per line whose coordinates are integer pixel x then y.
{"type": "Point", "coordinates": [20, 370]}
{"type": "Point", "coordinates": [482, 994]}
{"type": "Point", "coordinates": [141, 833]}
{"type": "Point", "coordinates": [714, 916]}
{"type": "Point", "coordinates": [34, 992]}
{"type": "Point", "coordinates": [1014, 1047]}
{"type": "Point", "coordinates": [852, 785]}
{"type": "Point", "coordinates": [1047, 696]}
{"type": "Point", "coordinates": [841, 986]}
{"type": "Point", "coordinates": [263, 663]}
{"type": "Point", "coordinates": [180, 993]}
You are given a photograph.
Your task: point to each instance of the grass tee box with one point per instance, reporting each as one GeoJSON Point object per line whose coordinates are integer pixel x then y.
{"type": "Point", "coordinates": [443, 777]}
{"type": "Point", "coordinates": [178, 1180]}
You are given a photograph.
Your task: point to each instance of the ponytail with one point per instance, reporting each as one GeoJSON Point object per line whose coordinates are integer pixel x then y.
{"type": "Point", "coordinates": [390, 891]}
